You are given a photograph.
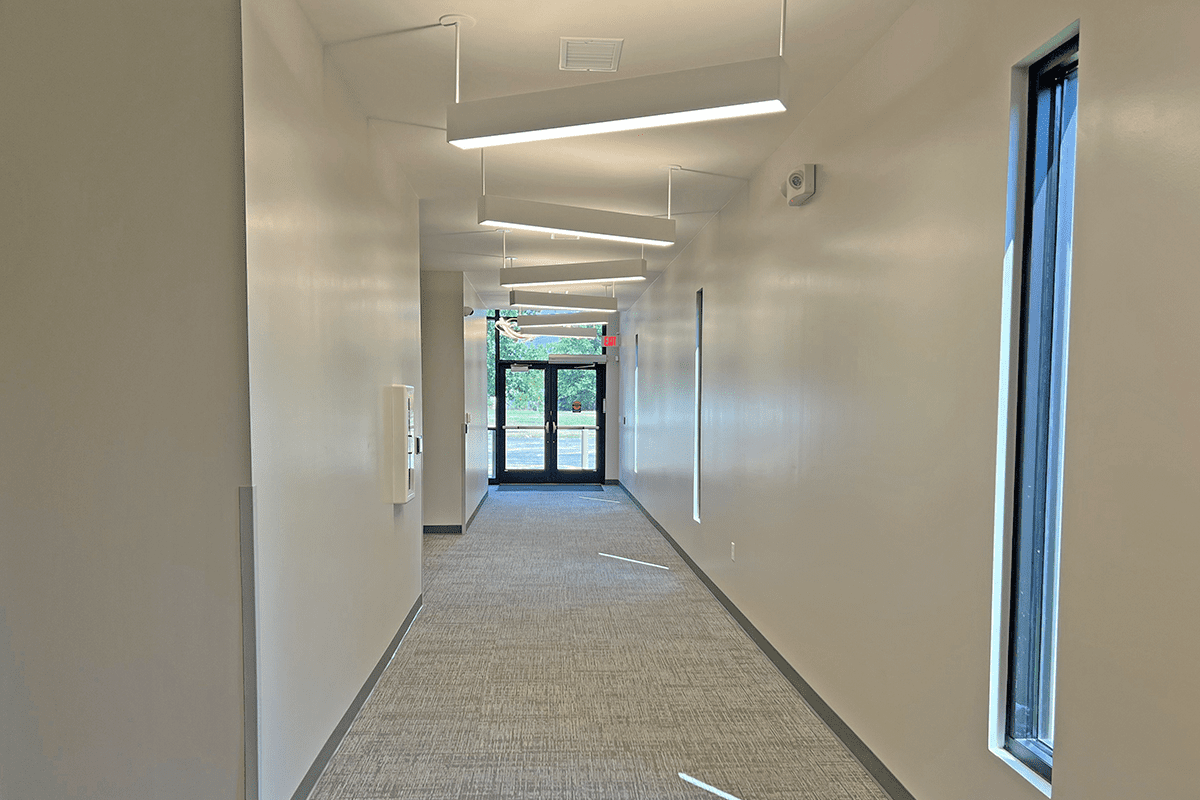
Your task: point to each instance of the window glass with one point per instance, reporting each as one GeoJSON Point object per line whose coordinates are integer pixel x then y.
{"type": "Point", "coordinates": [699, 367]}
{"type": "Point", "coordinates": [1041, 406]}
{"type": "Point", "coordinates": [540, 347]}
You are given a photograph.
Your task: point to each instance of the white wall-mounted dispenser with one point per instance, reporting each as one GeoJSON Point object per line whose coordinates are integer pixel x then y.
{"type": "Point", "coordinates": [405, 444]}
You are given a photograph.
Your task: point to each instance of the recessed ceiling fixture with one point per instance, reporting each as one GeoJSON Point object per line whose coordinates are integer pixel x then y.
{"type": "Point", "coordinates": [567, 302]}
{"type": "Point", "coordinates": [725, 91]}
{"type": "Point", "coordinates": [535, 321]}
{"type": "Point", "coordinates": [632, 269]}
{"type": "Point", "coordinates": [587, 223]}
{"type": "Point", "coordinates": [589, 55]}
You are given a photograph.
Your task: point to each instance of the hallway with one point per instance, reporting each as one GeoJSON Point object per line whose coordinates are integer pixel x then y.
{"type": "Point", "coordinates": [236, 233]}
{"type": "Point", "coordinates": [539, 668]}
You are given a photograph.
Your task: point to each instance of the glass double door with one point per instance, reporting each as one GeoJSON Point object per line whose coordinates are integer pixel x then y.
{"type": "Point", "coordinates": [550, 425]}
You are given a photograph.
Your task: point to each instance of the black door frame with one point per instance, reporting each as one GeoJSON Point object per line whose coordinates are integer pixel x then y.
{"type": "Point", "coordinates": [550, 473]}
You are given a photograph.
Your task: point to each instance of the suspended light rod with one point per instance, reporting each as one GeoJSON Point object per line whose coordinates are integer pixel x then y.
{"type": "Point", "coordinates": [457, 21]}
{"type": "Point", "coordinates": [782, 25]}
{"type": "Point", "coordinates": [670, 171]}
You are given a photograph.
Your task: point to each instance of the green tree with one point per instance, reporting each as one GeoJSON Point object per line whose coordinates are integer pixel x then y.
{"type": "Point", "coordinates": [524, 390]}
{"type": "Point", "coordinates": [577, 384]}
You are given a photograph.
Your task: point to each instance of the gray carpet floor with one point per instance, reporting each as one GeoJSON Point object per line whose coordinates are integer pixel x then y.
{"type": "Point", "coordinates": [540, 669]}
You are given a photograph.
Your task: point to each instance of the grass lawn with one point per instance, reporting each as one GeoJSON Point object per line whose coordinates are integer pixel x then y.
{"type": "Point", "coordinates": [524, 416]}
{"type": "Point", "coordinates": [521, 416]}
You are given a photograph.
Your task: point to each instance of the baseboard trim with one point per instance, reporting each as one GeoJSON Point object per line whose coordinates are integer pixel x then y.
{"type": "Point", "coordinates": [443, 529]}
{"type": "Point", "coordinates": [878, 770]}
{"type": "Point", "coordinates": [475, 513]}
{"type": "Point", "coordinates": [612, 482]}
{"type": "Point", "coordinates": [304, 790]}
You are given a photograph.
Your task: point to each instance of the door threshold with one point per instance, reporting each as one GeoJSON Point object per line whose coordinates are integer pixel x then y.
{"type": "Point", "coordinates": [549, 487]}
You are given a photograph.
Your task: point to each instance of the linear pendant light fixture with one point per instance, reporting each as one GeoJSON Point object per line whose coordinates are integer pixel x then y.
{"type": "Point", "coordinates": [564, 332]}
{"type": "Point", "coordinates": [535, 321]}
{"type": "Point", "coordinates": [568, 302]}
{"type": "Point", "coordinates": [724, 91]}
{"type": "Point", "coordinates": [587, 223]}
{"type": "Point", "coordinates": [632, 269]}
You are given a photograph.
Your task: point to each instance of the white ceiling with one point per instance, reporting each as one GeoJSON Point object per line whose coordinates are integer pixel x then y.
{"type": "Point", "coordinates": [405, 79]}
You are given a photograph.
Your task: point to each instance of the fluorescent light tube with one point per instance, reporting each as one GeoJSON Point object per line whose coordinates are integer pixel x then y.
{"type": "Point", "coordinates": [725, 91]}
{"type": "Point", "coordinates": [632, 269]}
{"type": "Point", "coordinates": [564, 331]}
{"type": "Point", "coordinates": [573, 302]}
{"type": "Point", "coordinates": [588, 223]}
{"type": "Point", "coordinates": [535, 321]}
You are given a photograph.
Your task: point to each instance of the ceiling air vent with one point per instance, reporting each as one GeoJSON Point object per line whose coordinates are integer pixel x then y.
{"type": "Point", "coordinates": [589, 55]}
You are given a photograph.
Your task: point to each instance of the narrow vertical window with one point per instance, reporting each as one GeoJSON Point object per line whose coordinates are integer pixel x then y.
{"type": "Point", "coordinates": [1041, 386]}
{"type": "Point", "coordinates": [699, 405]}
{"type": "Point", "coordinates": [635, 401]}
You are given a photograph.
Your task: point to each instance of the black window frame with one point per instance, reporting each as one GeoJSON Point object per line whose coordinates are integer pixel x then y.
{"type": "Point", "coordinates": [1040, 407]}
{"type": "Point", "coordinates": [496, 362]}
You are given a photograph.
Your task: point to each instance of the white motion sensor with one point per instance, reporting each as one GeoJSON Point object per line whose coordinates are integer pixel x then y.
{"type": "Point", "coordinates": [800, 185]}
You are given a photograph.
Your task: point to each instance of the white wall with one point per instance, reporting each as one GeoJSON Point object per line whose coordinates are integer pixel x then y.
{"type": "Point", "coordinates": [475, 483]}
{"type": "Point", "coordinates": [455, 361]}
{"type": "Point", "coordinates": [124, 418]}
{"type": "Point", "coordinates": [443, 356]}
{"type": "Point", "coordinates": [334, 320]}
{"type": "Point", "coordinates": [851, 361]}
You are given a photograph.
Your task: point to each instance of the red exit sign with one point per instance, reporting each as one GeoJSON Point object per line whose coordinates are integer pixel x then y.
{"type": "Point", "coordinates": [610, 341]}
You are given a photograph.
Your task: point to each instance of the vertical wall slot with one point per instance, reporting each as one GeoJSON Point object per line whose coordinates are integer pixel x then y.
{"type": "Point", "coordinates": [636, 357]}
{"type": "Point", "coordinates": [696, 442]}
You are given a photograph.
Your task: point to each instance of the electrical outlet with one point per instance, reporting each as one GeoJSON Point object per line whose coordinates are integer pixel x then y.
{"type": "Point", "coordinates": [731, 558]}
